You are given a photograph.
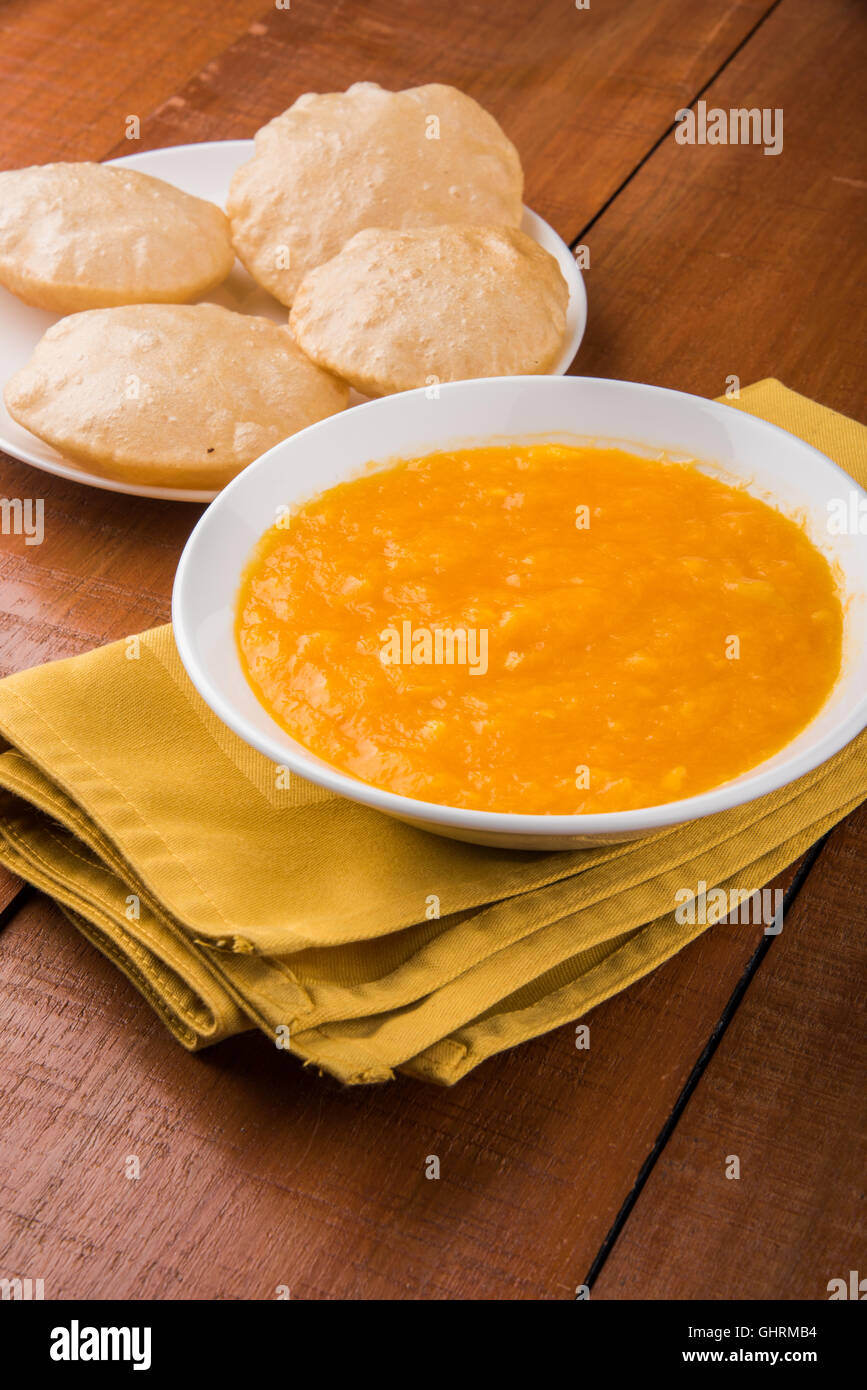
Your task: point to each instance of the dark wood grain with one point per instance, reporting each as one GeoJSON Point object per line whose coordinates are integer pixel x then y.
{"type": "Point", "coordinates": [717, 260]}
{"type": "Point", "coordinates": [104, 569]}
{"type": "Point", "coordinates": [255, 1172]}
{"type": "Point", "coordinates": [70, 74]}
{"type": "Point", "coordinates": [786, 1096]}
{"type": "Point", "coordinates": [583, 93]}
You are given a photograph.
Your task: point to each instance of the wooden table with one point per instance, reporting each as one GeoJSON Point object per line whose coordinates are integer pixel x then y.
{"type": "Point", "coordinates": [557, 1164]}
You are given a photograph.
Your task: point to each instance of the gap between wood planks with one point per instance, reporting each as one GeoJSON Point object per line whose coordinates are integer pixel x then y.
{"type": "Point", "coordinates": [667, 132]}
{"type": "Point", "coordinates": [710, 1047]}
{"type": "Point", "coordinates": [18, 891]}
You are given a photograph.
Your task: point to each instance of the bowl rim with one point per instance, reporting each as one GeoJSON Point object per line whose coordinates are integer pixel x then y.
{"type": "Point", "coordinates": [727, 796]}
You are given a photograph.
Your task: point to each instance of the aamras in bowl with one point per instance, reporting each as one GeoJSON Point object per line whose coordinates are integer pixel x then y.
{"type": "Point", "coordinates": [532, 611]}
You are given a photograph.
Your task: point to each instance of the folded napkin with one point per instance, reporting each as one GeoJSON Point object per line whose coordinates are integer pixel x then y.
{"type": "Point", "coordinates": [233, 895]}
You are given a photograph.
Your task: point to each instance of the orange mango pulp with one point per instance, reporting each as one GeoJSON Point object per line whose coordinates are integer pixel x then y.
{"type": "Point", "coordinates": [650, 631]}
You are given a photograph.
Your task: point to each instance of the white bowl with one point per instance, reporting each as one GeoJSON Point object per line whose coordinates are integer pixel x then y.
{"type": "Point", "coordinates": [775, 466]}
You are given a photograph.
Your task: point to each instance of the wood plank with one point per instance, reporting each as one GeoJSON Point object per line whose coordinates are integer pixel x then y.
{"type": "Point", "coordinates": [104, 569]}
{"type": "Point", "coordinates": [256, 1172]}
{"type": "Point", "coordinates": [719, 260]}
{"type": "Point", "coordinates": [785, 1094]}
{"type": "Point", "coordinates": [584, 94]}
{"type": "Point", "coordinates": [71, 74]}
{"type": "Point", "coordinates": [708, 243]}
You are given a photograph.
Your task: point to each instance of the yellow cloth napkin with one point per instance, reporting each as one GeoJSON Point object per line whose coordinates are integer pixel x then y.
{"type": "Point", "coordinates": [360, 944]}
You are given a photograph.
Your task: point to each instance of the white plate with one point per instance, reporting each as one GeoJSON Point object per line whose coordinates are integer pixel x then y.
{"type": "Point", "coordinates": [772, 464]}
{"type": "Point", "coordinates": [206, 171]}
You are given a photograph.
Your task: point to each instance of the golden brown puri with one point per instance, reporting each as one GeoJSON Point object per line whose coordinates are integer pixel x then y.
{"type": "Point", "coordinates": [169, 395]}
{"type": "Point", "coordinates": [334, 164]}
{"type": "Point", "coordinates": [397, 309]}
{"type": "Point", "coordinates": [89, 236]}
